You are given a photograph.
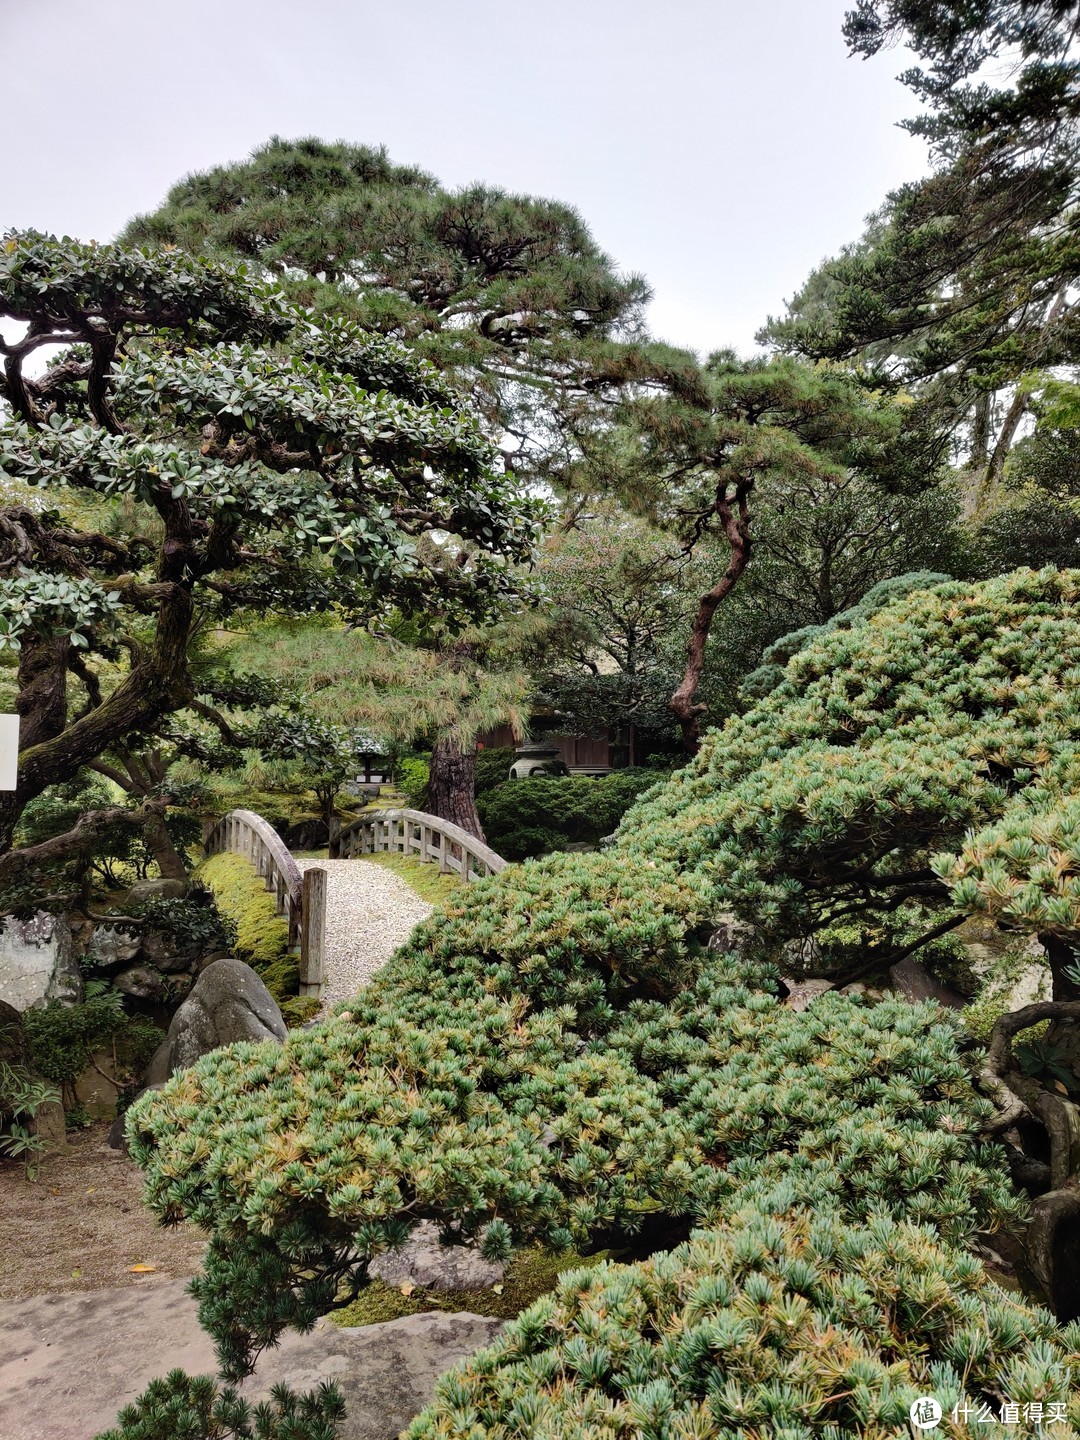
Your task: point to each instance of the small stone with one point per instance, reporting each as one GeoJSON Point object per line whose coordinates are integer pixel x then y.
{"type": "Point", "coordinates": [162, 951]}
{"type": "Point", "coordinates": [802, 993]}
{"type": "Point", "coordinates": [111, 947]}
{"type": "Point", "coordinates": [142, 982]}
{"type": "Point", "coordinates": [144, 890]}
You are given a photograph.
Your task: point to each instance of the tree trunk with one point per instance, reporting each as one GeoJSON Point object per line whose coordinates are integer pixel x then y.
{"type": "Point", "coordinates": [170, 862]}
{"type": "Point", "coordinates": [735, 518]}
{"type": "Point", "coordinates": [987, 484]}
{"type": "Point", "coordinates": [452, 784]}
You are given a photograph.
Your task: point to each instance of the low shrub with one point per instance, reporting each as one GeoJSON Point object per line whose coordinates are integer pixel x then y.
{"type": "Point", "coordinates": [64, 1039]}
{"type": "Point", "coordinates": [493, 767]}
{"type": "Point", "coordinates": [412, 773]}
{"type": "Point", "coordinates": [523, 818]}
{"type": "Point", "coordinates": [186, 1407]}
{"type": "Point", "coordinates": [557, 1055]}
{"type": "Point", "coordinates": [192, 922]}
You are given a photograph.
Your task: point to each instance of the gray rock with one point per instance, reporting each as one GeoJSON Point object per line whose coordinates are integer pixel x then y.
{"type": "Point", "coordinates": [229, 1003]}
{"type": "Point", "coordinates": [162, 952]}
{"type": "Point", "coordinates": [730, 935]}
{"type": "Point", "coordinates": [425, 1262]}
{"type": "Point", "coordinates": [37, 962]}
{"type": "Point", "coordinates": [112, 947]}
{"type": "Point", "coordinates": [142, 982]}
{"type": "Point", "coordinates": [68, 1362]}
{"type": "Point", "coordinates": [801, 955]}
{"type": "Point", "coordinates": [802, 993]}
{"type": "Point", "coordinates": [915, 982]}
{"type": "Point", "coordinates": [157, 890]}
{"type": "Point", "coordinates": [387, 1373]}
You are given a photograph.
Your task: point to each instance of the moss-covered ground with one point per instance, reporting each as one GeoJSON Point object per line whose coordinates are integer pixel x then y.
{"type": "Point", "coordinates": [531, 1273]}
{"type": "Point", "coordinates": [424, 878]}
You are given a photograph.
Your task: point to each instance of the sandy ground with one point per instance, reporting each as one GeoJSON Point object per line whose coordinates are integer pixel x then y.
{"type": "Point", "coordinates": [81, 1225]}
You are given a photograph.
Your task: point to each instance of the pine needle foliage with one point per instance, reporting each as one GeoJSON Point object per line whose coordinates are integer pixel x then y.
{"type": "Point", "coordinates": [558, 1055]}
{"type": "Point", "coordinates": [803, 1328]}
{"type": "Point", "coordinates": [186, 1407]}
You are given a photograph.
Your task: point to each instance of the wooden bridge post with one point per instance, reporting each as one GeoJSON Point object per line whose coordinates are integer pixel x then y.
{"type": "Point", "coordinates": [313, 932]}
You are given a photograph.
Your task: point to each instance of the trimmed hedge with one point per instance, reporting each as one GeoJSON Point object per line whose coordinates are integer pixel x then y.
{"type": "Point", "coordinates": [524, 818]}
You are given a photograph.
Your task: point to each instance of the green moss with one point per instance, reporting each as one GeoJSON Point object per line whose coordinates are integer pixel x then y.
{"type": "Point", "coordinates": [532, 1272]}
{"type": "Point", "coordinates": [298, 1009]}
{"type": "Point", "coordinates": [262, 936]}
{"type": "Point", "coordinates": [423, 878]}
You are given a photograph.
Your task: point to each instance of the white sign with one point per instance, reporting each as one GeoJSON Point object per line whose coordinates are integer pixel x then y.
{"type": "Point", "coordinates": [9, 751]}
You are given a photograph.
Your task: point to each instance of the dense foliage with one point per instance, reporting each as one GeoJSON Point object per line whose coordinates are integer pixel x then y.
{"type": "Point", "coordinates": [184, 1407]}
{"type": "Point", "coordinates": [557, 1054]}
{"type": "Point", "coordinates": [523, 818]}
{"type": "Point", "coordinates": [254, 462]}
{"type": "Point", "coordinates": [793, 1328]}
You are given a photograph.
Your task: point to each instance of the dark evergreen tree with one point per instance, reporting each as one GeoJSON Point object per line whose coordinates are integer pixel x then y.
{"type": "Point", "coordinates": [268, 464]}
{"type": "Point", "coordinates": [508, 295]}
{"type": "Point", "coordinates": [964, 281]}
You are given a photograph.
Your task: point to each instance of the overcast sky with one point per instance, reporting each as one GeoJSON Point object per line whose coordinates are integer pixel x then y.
{"type": "Point", "coordinates": [720, 147]}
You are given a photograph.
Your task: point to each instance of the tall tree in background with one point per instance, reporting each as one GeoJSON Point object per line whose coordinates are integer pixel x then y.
{"type": "Point", "coordinates": [403, 691]}
{"type": "Point", "coordinates": [508, 295]}
{"type": "Point", "coordinates": [335, 473]}
{"type": "Point", "coordinates": [691, 462]}
{"type": "Point", "coordinates": [622, 595]}
{"type": "Point", "coordinates": [964, 281]}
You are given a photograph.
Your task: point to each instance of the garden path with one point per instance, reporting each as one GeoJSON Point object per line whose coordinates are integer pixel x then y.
{"type": "Point", "coordinates": [369, 912]}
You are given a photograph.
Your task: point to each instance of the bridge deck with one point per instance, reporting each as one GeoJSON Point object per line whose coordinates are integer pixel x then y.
{"type": "Point", "coordinates": [370, 911]}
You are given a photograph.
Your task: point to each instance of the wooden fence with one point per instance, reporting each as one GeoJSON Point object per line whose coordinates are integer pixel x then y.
{"type": "Point", "coordinates": [411, 832]}
{"type": "Point", "coordinates": [300, 895]}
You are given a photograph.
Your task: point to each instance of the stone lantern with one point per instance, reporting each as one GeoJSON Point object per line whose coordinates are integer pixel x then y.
{"type": "Point", "coordinates": [537, 757]}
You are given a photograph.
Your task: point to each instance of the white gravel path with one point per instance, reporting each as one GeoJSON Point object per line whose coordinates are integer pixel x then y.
{"type": "Point", "coordinates": [369, 913]}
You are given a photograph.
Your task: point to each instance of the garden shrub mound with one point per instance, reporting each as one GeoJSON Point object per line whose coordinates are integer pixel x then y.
{"type": "Point", "coordinates": [808, 1327]}
{"type": "Point", "coordinates": [557, 1054]}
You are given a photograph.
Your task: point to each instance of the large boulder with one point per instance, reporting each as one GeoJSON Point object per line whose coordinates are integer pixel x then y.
{"type": "Point", "coordinates": [228, 1003]}
{"type": "Point", "coordinates": [386, 1373]}
{"type": "Point", "coordinates": [37, 962]}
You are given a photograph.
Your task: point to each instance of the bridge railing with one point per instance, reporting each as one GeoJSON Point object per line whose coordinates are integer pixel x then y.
{"type": "Point", "coordinates": [412, 832]}
{"type": "Point", "coordinates": [300, 896]}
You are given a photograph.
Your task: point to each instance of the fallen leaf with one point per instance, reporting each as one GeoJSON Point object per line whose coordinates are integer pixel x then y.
{"type": "Point", "coordinates": [1060, 1088]}
{"type": "Point", "coordinates": [91, 1190]}
{"type": "Point", "coordinates": [407, 1288]}
{"type": "Point", "coordinates": [141, 1269]}
{"type": "Point", "coordinates": [498, 1289]}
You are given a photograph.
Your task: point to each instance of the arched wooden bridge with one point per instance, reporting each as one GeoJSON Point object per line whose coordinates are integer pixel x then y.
{"type": "Point", "coordinates": [300, 888]}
